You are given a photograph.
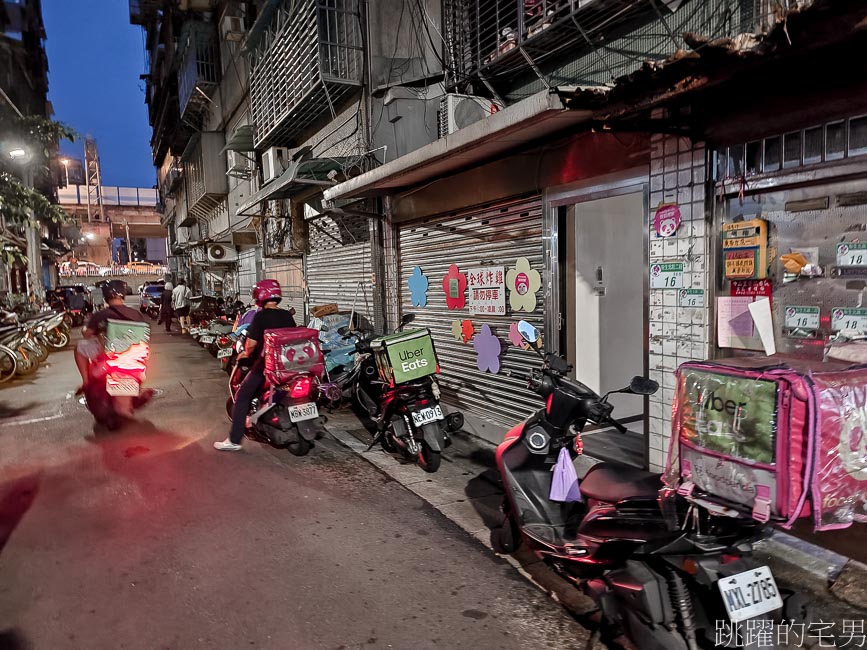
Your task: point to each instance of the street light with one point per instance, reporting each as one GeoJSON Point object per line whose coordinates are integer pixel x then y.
{"type": "Point", "coordinates": [17, 153]}
{"type": "Point", "coordinates": [65, 163]}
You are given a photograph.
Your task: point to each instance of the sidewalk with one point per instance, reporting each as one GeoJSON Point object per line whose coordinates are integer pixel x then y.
{"type": "Point", "coordinates": [467, 490]}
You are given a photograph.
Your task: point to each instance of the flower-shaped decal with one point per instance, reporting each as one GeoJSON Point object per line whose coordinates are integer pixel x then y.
{"type": "Point", "coordinates": [456, 330]}
{"type": "Point", "coordinates": [455, 284]}
{"type": "Point", "coordinates": [467, 330]}
{"type": "Point", "coordinates": [418, 285]}
{"type": "Point", "coordinates": [488, 349]}
{"type": "Point", "coordinates": [523, 282]}
{"type": "Point", "coordinates": [515, 336]}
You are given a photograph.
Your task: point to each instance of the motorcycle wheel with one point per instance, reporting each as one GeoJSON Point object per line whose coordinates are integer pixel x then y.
{"type": "Point", "coordinates": [428, 459]}
{"type": "Point", "coordinates": [8, 364]}
{"type": "Point", "coordinates": [57, 339]}
{"type": "Point", "coordinates": [506, 538]}
{"type": "Point", "coordinates": [27, 364]}
{"type": "Point", "coordinates": [41, 351]}
{"type": "Point", "coordinates": [300, 447]}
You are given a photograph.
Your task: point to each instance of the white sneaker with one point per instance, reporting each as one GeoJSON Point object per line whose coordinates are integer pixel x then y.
{"type": "Point", "coordinates": [227, 445]}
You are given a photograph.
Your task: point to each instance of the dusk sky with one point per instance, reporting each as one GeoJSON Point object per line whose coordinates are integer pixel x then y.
{"type": "Point", "coordinates": [95, 58]}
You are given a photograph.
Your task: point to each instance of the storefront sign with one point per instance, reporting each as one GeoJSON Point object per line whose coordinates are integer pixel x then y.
{"type": "Point", "coordinates": [692, 297]}
{"type": "Point", "coordinates": [751, 288]}
{"type": "Point", "coordinates": [802, 318]}
{"type": "Point", "coordinates": [852, 254]}
{"type": "Point", "coordinates": [487, 291]}
{"type": "Point", "coordinates": [666, 276]}
{"type": "Point", "coordinates": [740, 264]}
{"type": "Point", "coordinates": [844, 318]}
{"type": "Point", "coordinates": [666, 221]}
{"type": "Point", "coordinates": [745, 249]}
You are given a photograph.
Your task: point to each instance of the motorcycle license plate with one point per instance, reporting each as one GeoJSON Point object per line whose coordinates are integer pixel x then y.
{"type": "Point", "coordinates": [195, 331]}
{"type": "Point", "coordinates": [225, 352]}
{"type": "Point", "coordinates": [122, 386]}
{"type": "Point", "coordinates": [301, 412]}
{"type": "Point", "coordinates": [751, 593]}
{"type": "Point", "coordinates": [206, 340]}
{"type": "Point", "coordinates": [426, 416]}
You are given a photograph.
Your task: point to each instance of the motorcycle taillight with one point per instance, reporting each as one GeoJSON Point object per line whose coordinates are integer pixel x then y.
{"type": "Point", "coordinates": [224, 340]}
{"type": "Point", "coordinates": [300, 388]}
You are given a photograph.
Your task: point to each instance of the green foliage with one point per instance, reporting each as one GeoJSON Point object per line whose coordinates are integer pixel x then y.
{"type": "Point", "coordinates": [17, 201]}
{"type": "Point", "coordinates": [11, 255]}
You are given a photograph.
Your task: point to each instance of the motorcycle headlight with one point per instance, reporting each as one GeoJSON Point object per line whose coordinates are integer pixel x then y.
{"type": "Point", "coordinates": [435, 389]}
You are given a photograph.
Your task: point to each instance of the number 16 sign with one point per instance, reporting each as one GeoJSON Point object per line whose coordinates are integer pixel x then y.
{"type": "Point", "coordinates": [666, 276]}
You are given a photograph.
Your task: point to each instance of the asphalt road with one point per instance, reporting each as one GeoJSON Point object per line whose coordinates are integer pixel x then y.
{"type": "Point", "coordinates": [149, 538]}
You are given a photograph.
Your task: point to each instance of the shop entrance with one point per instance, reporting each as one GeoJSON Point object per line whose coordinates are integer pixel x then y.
{"type": "Point", "coordinates": [605, 268]}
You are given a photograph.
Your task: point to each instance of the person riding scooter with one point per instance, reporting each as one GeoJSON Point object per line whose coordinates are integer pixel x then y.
{"type": "Point", "coordinates": [267, 295]}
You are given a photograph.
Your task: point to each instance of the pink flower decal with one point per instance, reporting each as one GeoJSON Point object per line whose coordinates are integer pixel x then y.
{"type": "Point", "coordinates": [515, 336]}
{"type": "Point", "coordinates": [454, 285]}
{"type": "Point", "coordinates": [523, 282]}
{"type": "Point", "coordinates": [488, 348]}
{"type": "Point", "coordinates": [467, 330]}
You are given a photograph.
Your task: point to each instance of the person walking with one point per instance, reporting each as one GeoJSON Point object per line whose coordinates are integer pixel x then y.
{"type": "Point", "coordinates": [166, 309]}
{"type": "Point", "coordinates": [267, 295]}
{"type": "Point", "coordinates": [181, 305]}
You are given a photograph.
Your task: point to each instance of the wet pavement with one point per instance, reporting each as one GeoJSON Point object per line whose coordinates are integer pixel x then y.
{"type": "Point", "coordinates": [149, 538]}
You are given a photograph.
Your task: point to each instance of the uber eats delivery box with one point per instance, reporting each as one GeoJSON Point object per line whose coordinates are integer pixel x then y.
{"type": "Point", "coordinates": [120, 335]}
{"type": "Point", "coordinates": [405, 356]}
{"type": "Point", "coordinates": [772, 436]}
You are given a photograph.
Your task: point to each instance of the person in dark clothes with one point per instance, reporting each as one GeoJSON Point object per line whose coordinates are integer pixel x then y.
{"type": "Point", "coordinates": [267, 294]}
{"type": "Point", "coordinates": [166, 306]}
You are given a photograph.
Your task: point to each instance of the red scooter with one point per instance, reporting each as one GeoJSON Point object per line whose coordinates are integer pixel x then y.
{"type": "Point", "coordinates": [284, 414]}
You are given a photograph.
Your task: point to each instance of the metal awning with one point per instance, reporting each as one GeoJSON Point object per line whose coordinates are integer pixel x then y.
{"type": "Point", "coordinates": [241, 139]}
{"type": "Point", "coordinates": [298, 176]}
{"type": "Point", "coordinates": [538, 116]}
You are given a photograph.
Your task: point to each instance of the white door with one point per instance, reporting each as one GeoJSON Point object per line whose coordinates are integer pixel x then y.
{"type": "Point", "coordinates": [607, 272]}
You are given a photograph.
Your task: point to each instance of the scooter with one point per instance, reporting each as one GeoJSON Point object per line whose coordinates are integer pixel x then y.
{"type": "Point", "coordinates": [663, 567]}
{"type": "Point", "coordinates": [284, 416]}
{"type": "Point", "coordinates": [408, 417]}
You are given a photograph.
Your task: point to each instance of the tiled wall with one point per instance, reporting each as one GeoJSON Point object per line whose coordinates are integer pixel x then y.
{"type": "Point", "coordinates": [677, 175]}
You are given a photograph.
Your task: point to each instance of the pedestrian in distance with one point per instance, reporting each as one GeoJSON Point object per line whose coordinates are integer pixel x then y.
{"type": "Point", "coordinates": [181, 305]}
{"type": "Point", "coordinates": [267, 295]}
{"type": "Point", "coordinates": [166, 309]}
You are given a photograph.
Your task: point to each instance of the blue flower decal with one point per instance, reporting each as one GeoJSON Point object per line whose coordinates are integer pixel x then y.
{"type": "Point", "coordinates": [418, 287]}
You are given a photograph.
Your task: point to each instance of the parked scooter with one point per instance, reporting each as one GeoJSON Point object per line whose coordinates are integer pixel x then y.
{"type": "Point", "coordinates": [284, 415]}
{"type": "Point", "coordinates": [408, 416]}
{"type": "Point", "coordinates": [662, 567]}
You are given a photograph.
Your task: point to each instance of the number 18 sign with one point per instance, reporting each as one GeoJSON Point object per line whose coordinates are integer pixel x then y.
{"type": "Point", "coordinates": [852, 254]}
{"type": "Point", "coordinates": [666, 276]}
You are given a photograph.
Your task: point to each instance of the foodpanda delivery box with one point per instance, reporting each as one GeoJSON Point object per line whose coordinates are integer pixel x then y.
{"type": "Point", "coordinates": [405, 356]}
{"type": "Point", "coordinates": [127, 349]}
{"type": "Point", "coordinates": [775, 437]}
{"type": "Point", "coordinates": [289, 351]}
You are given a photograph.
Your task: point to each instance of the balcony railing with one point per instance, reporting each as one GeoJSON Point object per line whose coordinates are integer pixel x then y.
{"type": "Point", "coordinates": [199, 67]}
{"type": "Point", "coordinates": [310, 58]}
{"type": "Point", "coordinates": [502, 41]}
{"type": "Point", "coordinates": [174, 174]}
{"type": "Point", "coordinates": [205, 174]}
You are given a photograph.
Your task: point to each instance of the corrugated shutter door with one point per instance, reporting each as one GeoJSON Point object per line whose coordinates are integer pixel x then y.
{"type": "Point", "coordinates": [247, 275]}
{"type": "Point", "coordinates": [289, 272]}
{"type": "Point", "coordinates": [492, 236]}
{"type": "Point", "coordinates": [338, 260]}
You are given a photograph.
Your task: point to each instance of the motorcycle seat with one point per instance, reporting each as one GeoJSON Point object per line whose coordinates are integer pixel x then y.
{"type": "Point", "coordinates": [612, 483]}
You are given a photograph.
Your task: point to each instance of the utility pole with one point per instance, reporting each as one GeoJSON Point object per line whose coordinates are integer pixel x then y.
{"type": "Point", "coordinates": [128, 245]}
{"type": "Point", "coordinates": [34, 246]}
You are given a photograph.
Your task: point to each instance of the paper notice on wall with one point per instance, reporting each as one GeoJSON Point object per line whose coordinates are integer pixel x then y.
{"type": "Point", "coordinates": [760, 310]}
{"type": "Point", "coordinates": [734, 321]}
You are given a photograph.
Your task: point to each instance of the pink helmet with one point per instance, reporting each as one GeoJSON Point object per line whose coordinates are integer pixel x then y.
{"type": "Point", "coordinates": [267, 291]}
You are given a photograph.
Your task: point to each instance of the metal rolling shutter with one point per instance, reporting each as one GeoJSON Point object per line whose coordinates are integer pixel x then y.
{"type": "Point", "coordinates": [289, 272]}
{"type": "Point", "coordinates": [492, 236]}
{"type": "Point", "coordinates": [247, 273]}
{"type": "Point", "coordinates": [338, 260]}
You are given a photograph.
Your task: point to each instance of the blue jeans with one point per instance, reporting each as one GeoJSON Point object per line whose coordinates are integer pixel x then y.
{"type": "Point", "coordinates": [248, 390]}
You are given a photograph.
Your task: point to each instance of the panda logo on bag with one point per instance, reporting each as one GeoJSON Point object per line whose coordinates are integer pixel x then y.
{"type": "Point", "coordinates": [296, 356]}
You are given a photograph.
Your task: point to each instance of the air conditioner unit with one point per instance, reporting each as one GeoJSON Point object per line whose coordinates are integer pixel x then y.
{"type": "Point", "coordinates": [238, 163]}
{"type": "Point", "coordinates": [222, 254]}
{"type": "Point", "coordinates": [459, 111]}
{"type": "Point", "coordinates": [232, 28]}
{"type": "Point", "coordinates": [274, 162]}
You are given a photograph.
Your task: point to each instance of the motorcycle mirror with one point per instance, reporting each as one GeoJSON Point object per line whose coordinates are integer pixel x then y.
{"type": "Point", "coordinates": [643, 386]}
{"type": "Point", "coordinates": [529, 333]}
{"type": "Point", "coordinates": [407, 318]}
{"type": "Point", "coordinates": [343, 331]}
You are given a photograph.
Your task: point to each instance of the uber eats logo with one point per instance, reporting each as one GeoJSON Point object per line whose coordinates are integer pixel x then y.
{"type": "Point", "coordinates": [714, 403]}
{"type": "Point", "coordinates": [412, 359]}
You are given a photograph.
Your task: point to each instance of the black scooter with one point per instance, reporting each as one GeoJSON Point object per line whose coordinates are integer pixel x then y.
{"type": "Point", "coordinates": [408, 417]}
{"type": "Point", "coordinates": [664, 568]}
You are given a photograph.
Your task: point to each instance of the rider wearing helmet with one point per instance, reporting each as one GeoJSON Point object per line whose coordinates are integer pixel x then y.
{"type": "Point", "coordinates": [90, 347]}
{"type": "Point", "coordinates": [267, 296]}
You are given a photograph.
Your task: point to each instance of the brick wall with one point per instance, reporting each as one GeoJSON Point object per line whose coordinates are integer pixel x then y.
{"type": "Point", "coordinates": [677, 175]}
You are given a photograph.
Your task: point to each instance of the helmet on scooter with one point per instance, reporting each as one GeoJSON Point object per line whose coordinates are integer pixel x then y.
{"type": "Point", "coordinates": [267, 291]}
